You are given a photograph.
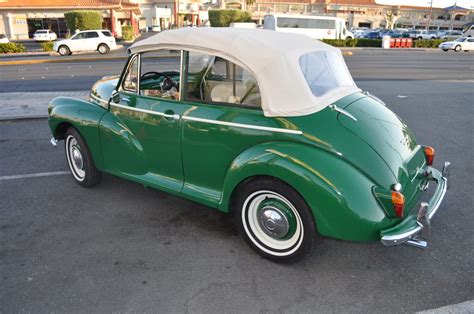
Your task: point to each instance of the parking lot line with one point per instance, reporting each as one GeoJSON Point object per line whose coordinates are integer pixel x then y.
{"type": "Point", "coordinates": [34, 175]}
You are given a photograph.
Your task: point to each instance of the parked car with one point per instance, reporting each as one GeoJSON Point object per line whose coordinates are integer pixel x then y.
{"type": "Point", "coordinates": [283, 139]}
{"type": "Point", "coordinates": [360, 33]}
{"type": "Point", "coordinates": [3, 39]}
{"type": "Point", "coordinates": [451, 35]}
{"type": "Point", "coordinates": [469, 31]}
{"type": "Point", "coordinates": [44, 35]}
{"type": "Point", "coordinates": [373, 35]}
{"type": "Point", "coordinates": [422, 34]}
{"type": "Point", "coordinates": [93, 40]}
{"type": "Point", "coordinates": [463, 43]}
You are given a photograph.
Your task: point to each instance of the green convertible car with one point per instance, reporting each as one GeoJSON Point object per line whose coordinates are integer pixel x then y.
{"type": "Point", "coordinates": [265, 125]}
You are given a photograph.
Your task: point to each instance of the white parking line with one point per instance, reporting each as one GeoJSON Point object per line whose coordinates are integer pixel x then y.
{"type": "Point", "coordinates": [34, 175]}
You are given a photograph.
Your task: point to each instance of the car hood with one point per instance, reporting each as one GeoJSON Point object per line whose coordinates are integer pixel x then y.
{"type": "Point", "coordinates": [379, 144]}
{"type": "Point", "coordinates": [102, 90]}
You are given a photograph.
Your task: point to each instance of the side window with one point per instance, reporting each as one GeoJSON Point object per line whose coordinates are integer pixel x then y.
{"type": "Point", "coordinates": [211, 79]}
{"type": "Point", "coordinates": [107, 33]}
{"type": "Point", "coordinates": [91, 35]}
{"type": "Point", "coordinates": [131, 77]}
{"type": "Point", "coordinates": [160, 74]}
{"type": "Point", "coordinates": [79, 36]}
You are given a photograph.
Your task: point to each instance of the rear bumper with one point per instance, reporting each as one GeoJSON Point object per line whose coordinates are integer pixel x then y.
{"type": "Point", "coordinates": [412, 226]}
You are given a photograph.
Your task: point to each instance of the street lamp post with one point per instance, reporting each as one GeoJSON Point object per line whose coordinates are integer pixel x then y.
{"type": "Point", "coordinates": [429, 17]}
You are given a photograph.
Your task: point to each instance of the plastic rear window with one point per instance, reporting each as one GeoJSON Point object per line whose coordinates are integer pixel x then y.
{"type": "Point", "coordinates": [324, 71]}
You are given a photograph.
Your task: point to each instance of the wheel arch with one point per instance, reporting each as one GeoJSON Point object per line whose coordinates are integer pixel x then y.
{"type": "Point", "coordinates": [65, 112]}
{"type": "Point", "coordinates": [342, 208]}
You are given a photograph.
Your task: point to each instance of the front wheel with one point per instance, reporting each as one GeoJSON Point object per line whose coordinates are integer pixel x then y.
{"type": "Point", "coordinates": [457, 48]}
{"type": "Point", "coordinates": [64, 50]}
{"type": "Point", "coordinates": [275, 220]}
{"type": "Point", "coordinates": [103, 49]}
{"type": "Point", "coordinates": [445, 50]}
{"type": "Point", "coordinates": [80, 160]}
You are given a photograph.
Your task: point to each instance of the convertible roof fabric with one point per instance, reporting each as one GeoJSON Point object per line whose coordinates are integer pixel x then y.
{"type": "Point", "coordinates": [274, 59]}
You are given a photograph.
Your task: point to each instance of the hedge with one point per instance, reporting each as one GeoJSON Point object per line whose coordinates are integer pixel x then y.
{"type": "Point", "coordinates": [223, 18]}
{"type": "Point", "coordinates": [365, 42]}
{"type": "Point", "coordinates": [12, 48]}
{"type": "Point", "coordinates": [127, 33]}
{"type": "Point", "coordinates": [47, 46]}
{"type": "Point", "coordinates": [83, 20]}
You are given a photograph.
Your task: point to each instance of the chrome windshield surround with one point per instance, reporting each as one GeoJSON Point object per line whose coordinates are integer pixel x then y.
{"type": "Point", "coordinates": [245, 126]}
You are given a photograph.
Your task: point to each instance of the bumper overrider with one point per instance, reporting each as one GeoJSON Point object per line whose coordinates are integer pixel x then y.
{"type": "Point", "coordinates": [409, 230]}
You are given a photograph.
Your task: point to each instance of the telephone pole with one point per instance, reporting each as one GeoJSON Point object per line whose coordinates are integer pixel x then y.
{"type": "Point", "coordinates": [429, 17]}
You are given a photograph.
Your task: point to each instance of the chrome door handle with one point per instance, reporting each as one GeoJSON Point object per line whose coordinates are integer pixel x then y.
{"type": "Point", "coordinates": [173, 116]}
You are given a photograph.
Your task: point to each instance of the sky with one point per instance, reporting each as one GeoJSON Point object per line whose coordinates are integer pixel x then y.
{"type": "Point", "coordinates": [426, 3]}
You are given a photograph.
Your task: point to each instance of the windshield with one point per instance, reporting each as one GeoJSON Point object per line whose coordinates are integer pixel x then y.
{"type": "Point", "coordinates": [324, 71]}
{"type": "Point", "coordinates": [461, 39]}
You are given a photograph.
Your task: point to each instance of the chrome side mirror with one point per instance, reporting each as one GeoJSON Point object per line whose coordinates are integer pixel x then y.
{"type": "Point", "coordinates": [115, 97]}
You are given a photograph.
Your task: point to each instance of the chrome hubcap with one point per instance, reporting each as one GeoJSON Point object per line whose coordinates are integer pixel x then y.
{"type": "Point", "coordinates": [273, 222]}
{"type": "Point", "coordinates": [77, 157]}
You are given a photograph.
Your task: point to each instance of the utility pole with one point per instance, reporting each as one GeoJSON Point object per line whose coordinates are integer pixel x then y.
{"type": "Point", "coordinates": [429, 17]}
{"type": "Point", "coordinates": [452, 15]}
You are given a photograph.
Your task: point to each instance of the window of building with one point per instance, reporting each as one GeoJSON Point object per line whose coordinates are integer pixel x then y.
{"type": "Point", "coordinates": [288, 22]}
{"type": "Point", "coordinates": [212, 79]}
{"type": "Point", "coordinates": [160, 74]}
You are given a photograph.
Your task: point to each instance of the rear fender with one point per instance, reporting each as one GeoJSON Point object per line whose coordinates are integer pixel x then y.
{"type": "Point", "coordinates": [339, 195]}
{"type": "Point", "coordinates": [82, 115]}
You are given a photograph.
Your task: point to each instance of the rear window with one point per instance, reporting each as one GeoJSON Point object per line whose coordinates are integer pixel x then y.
{"type": "Point", "coordinates": [41, 32]}
{"type": "Point", "coordinates": [289, 22]}
{"type": "Point", "coordinates": [107, 33]}
{"type": "Point", "coordinates": [91, 35]}
{"type": "Point", "coordinates": [324, 71]}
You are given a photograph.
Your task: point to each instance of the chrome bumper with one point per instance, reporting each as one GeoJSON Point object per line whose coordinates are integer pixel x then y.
{"type": "Point", "coordinates": [408, 230]}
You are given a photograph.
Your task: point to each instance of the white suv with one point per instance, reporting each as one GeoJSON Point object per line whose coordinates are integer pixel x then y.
{"type": "Point", "coordinates": [44, 35]}
{"type": "Point", "coordinates": [423, 35]}
{"type": "Point", "coordinates": [94, 40]}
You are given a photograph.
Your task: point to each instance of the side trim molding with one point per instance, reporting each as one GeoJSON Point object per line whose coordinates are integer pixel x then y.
{"type": "Point", "coordinates": [241, 125]}
{"type": "Point", "coordinates": [157, 113]}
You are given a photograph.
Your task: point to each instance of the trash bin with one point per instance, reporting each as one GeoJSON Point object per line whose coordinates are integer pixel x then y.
{"type": "Point", "coordinates": [386, 42]}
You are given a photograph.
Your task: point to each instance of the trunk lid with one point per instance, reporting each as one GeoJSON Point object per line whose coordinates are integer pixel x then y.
{"type": "Point", "coordinates": [389, 137]}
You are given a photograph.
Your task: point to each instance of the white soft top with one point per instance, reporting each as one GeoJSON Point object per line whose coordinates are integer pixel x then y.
{"type": "Point", "coordinates": [296, 74]}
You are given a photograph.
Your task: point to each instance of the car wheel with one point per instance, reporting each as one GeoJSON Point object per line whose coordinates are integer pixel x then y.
{"type": "Point", "coordinates": [64, 50]}
{"type": "Point", "coordinates": [103, 49]}
{"type": "Point", "coordinates": [420, 37]}
{"type": "Point", "coordinates": [275, 220]}
{"type": "Point", "coordinates": [457, 48]}
{"type": "Point", "coordinates": [445, 50]}
{"type": "Point", "coordinates": [80, 160]}
{"type": "Point", "coordinates": [466, 50]}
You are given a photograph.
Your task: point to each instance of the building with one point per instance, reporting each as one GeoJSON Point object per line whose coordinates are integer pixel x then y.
{"type": "Point", "coordinates": [164, 14]}
{"type": "Point", "coordinates": [361, 13]}
{"type": "Point", "coordinates": [19, 19]}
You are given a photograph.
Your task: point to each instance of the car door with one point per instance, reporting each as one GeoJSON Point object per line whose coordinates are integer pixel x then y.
{"type": "Point", "coordinates": [91, 40]}
{"type": "Point", "coordinates": [77, 42]}
{"type": "Point", "coordinates": [224, 120]}
{"type": "Point", "coordinates": [469, 44]}
{"type": "Point", "coordinates": [141, 133]}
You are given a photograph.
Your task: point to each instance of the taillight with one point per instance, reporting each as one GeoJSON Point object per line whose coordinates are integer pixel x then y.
{"type": "Point", "coordinates": [429, 155]}
{"type": "Point", "coordinates": [398, 201]}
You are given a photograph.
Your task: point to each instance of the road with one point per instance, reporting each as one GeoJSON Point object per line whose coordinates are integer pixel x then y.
{"type": "Point", "coordinates": [121, 247]}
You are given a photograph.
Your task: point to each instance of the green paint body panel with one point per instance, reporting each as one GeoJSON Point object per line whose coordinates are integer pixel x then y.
{"type": "Point", "coordinates": [336, 164]}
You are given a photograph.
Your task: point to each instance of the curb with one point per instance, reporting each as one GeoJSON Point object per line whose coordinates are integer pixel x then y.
{"type": "Point", "coordinates": [18, 118]}
{"type": "Point", "coordinates": [17, 62]}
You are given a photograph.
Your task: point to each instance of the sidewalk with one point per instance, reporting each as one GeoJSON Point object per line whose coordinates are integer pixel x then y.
{"type": "Point", "coordinates": [29, 105]}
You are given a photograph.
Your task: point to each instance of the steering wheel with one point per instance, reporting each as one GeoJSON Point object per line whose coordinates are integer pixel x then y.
{"type": "Point", "coordinates": [167, 83]}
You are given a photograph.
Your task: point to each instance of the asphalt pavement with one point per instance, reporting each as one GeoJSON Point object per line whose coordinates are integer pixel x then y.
{"type": "Point", "coordinates": [122, 248]}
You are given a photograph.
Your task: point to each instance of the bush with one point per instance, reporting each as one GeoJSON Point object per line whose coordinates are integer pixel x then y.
{"type": "Point", "coordinates": [127, 33]}
{"type": "Point", "coordinates": [427, 43]}
{"type": "Point", "coordinates": [223, 18]}
{"type": "Point", "coordinates": [356, 42]}
{"type": "Point", "coordinates": [83, 20]}
{"type": "Point", "coordinates": [12, 48]}
{"type": "Point", "coordinates": [47, 46]}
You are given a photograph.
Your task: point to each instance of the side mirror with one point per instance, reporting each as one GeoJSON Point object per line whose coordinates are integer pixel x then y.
{"type": "Point", "coordinates": [115, 97]}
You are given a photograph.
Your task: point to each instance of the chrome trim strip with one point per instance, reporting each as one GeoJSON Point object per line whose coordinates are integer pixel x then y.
{"type": "Point", "coordinates": [181, 76]}
{"type": "Point", "coordinates": [241, 125]}
{"type": "Point", "coordinates": [161, 114]}
{"type": "Point", "coordinates": [99, 99]}
{"type": "Point", "coordinates": [342, 111]}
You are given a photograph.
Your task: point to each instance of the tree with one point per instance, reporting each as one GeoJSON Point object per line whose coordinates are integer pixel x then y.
{"type": "Point", "coordinates": [83, 20]}
{"type": "Point", "coordinates": [223, 18]}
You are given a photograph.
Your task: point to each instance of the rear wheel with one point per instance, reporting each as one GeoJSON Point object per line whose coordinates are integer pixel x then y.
{"type": "Point", "coordinates": [275, 220]}
{"type": "Point", "coordinates": [64, 50]}
{"type": "Point", "coordinates": [457, 48]}
{"type": "Point", "coordinates": [103, 49]}
{"type": "Point", "coordinates": [80, 160]}
{"type": "Point", "coordinates": [445, 50]}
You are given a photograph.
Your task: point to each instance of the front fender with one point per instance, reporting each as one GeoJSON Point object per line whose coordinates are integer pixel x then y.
{"type": "Point", "coordinates": [81, 114]}
{"type": "Point", "coordinates": [339, 195]}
